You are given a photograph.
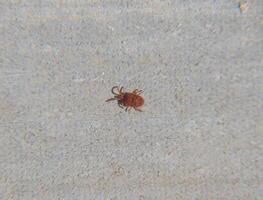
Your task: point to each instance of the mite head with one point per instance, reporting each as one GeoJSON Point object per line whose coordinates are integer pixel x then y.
{"type": "Point", "coordinates": [118, 95]}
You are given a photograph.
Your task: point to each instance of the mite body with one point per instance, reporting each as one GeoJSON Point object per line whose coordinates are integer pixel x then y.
{"type": "Point", "coordinates": [127, 99]}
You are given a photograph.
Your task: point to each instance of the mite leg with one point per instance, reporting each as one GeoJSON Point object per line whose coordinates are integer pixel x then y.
{"type": "Point", "coordinates": [112, 90]}
{"type": "Point", "coordinates": [136, 91]}
{"type": "Point", "coordinates": [119, 104]}
{"type": "Point", "coordinates": [128, 109]}
{"type": "Point", "coordinates": [120, 91]}
{"type": "Point", "coordinates": [138, 109]}
{"type": "Point", "coordinates": [111, 99]}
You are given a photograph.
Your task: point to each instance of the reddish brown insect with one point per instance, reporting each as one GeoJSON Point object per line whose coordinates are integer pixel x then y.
{"type": "Point", "coordinates": [127, 99]}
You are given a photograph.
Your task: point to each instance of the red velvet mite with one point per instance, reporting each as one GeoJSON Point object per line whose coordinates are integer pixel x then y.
{"type": "Point", "coordinates": [127, 99]}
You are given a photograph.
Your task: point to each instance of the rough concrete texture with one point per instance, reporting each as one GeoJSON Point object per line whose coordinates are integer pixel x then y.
{"type": "Point", "coordinates": [200, 64]}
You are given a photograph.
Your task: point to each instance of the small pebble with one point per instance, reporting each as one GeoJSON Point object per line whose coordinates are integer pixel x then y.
{"type": "Point", "coordinates": [243, 6]}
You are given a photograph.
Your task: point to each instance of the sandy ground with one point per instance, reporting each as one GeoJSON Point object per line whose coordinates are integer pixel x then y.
{"type": "Point", "coordinates": [200, 64]}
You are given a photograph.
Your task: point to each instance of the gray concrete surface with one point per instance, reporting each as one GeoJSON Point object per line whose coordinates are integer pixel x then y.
{"type": "Point", "coordinates": [200, 135]}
